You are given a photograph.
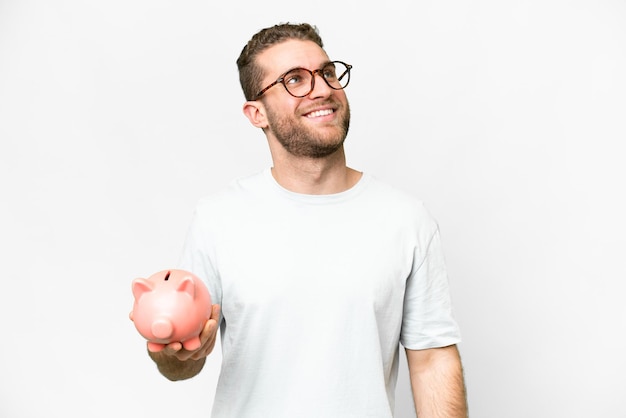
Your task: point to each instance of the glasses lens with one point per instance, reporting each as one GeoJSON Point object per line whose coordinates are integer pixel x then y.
{"type": "Point", "coordinates": [336, 74]}
{"type": "Point", "coordinates": [298, 82]}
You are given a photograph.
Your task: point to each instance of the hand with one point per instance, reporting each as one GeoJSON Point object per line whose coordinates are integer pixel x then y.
{"type": "Point", "coordinates": [208, 336]}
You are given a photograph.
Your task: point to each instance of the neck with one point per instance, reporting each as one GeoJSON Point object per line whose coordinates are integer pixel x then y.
{"type": "Point", "coordinates": [316, 176]}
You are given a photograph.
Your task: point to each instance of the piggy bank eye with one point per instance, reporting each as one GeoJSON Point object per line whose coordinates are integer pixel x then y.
{"type": "Point", "coordinates": [167, 276]}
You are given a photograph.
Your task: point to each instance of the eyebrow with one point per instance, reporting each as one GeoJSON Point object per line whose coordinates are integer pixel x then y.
{"type": "Point", "coordinates": [324, 64]}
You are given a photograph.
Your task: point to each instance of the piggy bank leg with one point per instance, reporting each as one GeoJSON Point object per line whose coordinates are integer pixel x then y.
{"type": "Point", "coordinates": [155, 347]}
{"type": "Point", "coordinates": [192, 344]}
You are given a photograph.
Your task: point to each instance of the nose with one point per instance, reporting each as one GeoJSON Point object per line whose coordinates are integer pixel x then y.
{"type": "Point", "coordinates": [320, 87]}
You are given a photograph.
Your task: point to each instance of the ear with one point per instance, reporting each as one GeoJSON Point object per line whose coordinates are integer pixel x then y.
{"type": "Point", "coordinates": [255, 112]}
{"type": "Point", "coordinates": [187, 285]}
{"type": "Point", "coordinates": [141, 286]}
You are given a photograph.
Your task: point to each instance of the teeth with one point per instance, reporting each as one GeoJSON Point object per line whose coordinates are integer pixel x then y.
{"type": "Point", "coordinates": [319, 113]}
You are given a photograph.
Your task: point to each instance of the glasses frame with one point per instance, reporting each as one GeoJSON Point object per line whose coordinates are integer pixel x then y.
{"type": "Point", "coordinates": [281, 79]}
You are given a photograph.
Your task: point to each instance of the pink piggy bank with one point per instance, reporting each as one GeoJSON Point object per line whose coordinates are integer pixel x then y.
{"type": "Point", "coordinates": [171, 305]}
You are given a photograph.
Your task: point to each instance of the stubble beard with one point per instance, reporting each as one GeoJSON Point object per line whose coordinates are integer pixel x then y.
{"type": "Point", "coordinates": [302, 141]}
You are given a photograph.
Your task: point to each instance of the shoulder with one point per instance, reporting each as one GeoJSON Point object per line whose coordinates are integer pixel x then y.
{"type": "Point", "coordinates": [238, 189]}
{"type": "Point", "coordinates": [395, 200]}
{"type": "Point", "coordinates": [231, 201]}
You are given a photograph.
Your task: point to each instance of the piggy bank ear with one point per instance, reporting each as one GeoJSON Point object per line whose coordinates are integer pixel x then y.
{"type": "Point", "coordinates": [141, 286]}
{"type": "Point", "coordinates": [187, 285]}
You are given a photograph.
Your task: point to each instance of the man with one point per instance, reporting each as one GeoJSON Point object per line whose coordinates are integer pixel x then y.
{"type": "Point", "coordinates": [318, 271]}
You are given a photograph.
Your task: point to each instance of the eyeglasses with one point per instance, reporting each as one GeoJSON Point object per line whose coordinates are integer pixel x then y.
{"type": "Point", "coordinates": [300, 82]}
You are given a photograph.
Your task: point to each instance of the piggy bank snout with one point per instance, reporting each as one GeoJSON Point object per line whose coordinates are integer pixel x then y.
{"type": "Point", "coordinates": [162, 328]}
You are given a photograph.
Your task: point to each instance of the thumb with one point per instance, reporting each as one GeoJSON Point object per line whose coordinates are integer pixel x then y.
{"type": "Point", "coordinates": [215, 312]}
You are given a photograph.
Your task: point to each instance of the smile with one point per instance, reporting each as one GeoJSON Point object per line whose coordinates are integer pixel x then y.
{"type": "Point", "coordinates": [319, 113]}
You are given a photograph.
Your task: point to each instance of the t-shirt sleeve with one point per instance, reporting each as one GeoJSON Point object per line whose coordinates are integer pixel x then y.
{"type": "Point", "coordinates": [428, 320]}
{"type": "Point", "coordinates": [198, 256]}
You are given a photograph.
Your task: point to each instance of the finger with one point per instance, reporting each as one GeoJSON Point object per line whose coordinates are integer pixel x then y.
{"type": "Point", "coordinates": [215, 312]}
{"type": "Point", "coordinates": [184, 355]}
{"type": "Point", "coordinates": [204, 351]}
{"type": "Point", "coordinates": [173, 348]}
{"type": "Point", "coordinates": [208, 335]}
{"type": "Point", "coordinates": [210, 326]}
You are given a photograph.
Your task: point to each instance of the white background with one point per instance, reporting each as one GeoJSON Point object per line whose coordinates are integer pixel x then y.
{"type": "Point", "coordinates": [506, 118]}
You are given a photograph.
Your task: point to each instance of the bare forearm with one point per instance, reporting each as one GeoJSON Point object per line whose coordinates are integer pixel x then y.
{"type": "Point", "coordinates": [437, 382]}
{"type": "Point", "coordinates": [174, 369]}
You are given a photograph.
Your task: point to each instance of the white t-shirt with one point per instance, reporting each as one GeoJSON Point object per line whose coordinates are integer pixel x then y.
{"type": "Point", "coordinates": [316, 292]}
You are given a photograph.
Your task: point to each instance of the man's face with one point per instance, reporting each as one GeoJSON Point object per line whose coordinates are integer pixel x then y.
{"type": "Point", "coordinates": [313, 126]}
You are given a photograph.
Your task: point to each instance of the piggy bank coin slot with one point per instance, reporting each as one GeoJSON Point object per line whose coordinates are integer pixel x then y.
{"type": "Point", "coordinates": [167, 276]}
